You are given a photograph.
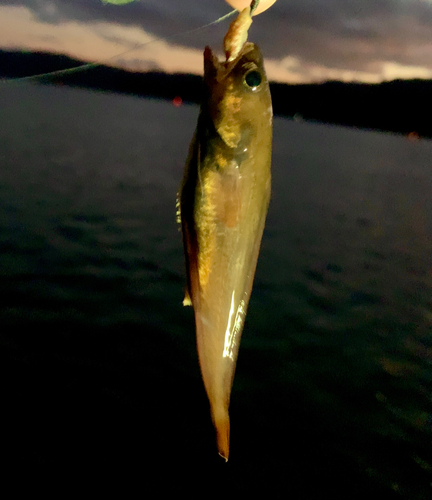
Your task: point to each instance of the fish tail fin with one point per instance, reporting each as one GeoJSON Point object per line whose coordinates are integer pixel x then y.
{"type": "Point", "coordinates": [222, 425]}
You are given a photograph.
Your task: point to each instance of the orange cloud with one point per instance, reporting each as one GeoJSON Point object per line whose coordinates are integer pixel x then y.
{"type": "Point", "coordinates": [102, 41]}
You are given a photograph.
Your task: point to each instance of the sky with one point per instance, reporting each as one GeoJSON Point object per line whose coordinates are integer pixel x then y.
{"type": "Point", "coordinates": [302, 40]}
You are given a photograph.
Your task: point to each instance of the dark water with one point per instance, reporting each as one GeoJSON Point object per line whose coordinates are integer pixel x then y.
{"type": "Point", "coordinates": [100, 380]}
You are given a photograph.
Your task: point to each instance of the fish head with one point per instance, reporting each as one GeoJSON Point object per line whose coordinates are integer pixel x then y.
{"type": "Point", "coordinates": [237, 95]}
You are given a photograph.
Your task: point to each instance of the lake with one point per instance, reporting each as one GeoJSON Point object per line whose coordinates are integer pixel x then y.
{"type": "Point", "coordinates": [333, 389]}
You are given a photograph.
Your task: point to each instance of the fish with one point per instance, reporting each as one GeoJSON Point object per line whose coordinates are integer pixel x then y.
{"type": "Point", "coordinates": [222, 207]}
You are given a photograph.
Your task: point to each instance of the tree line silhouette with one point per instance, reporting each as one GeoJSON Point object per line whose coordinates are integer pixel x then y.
{"type": "Point", "coordinates": [401, 106]}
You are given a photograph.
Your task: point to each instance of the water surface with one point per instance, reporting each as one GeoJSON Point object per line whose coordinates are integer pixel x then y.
{"type": "Point", "coordinates": [333, 390]}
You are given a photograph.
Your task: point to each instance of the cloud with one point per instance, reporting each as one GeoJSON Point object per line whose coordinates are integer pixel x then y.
{"type": "Point", "coordinates": [156, 16]}
{"type": "Point", "coordinates": [362, 38]}
{"type": "Point", "coordinates": [98, 41]}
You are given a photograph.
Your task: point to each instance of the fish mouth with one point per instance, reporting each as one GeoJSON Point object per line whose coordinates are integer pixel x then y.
{"type": "Point", "coordinates": [210, 59]}
{"type": "Point", "coordinates": [215, 69]}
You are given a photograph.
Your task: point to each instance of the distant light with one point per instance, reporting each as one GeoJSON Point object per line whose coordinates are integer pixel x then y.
{"type": "Point", "coordinates": [177, 101]}
{"type": "Point", "coordinates": [413, 136]}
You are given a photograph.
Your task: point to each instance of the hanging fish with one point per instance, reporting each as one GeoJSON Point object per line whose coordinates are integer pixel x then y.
{"type": "Point", "coordinates": [223, 204]}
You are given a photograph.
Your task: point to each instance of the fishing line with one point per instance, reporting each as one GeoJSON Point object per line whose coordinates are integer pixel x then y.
{"type": "Point", "coordinates": [84, 67]}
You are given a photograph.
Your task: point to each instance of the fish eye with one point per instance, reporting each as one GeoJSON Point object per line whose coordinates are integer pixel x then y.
{"type": "Point", "coordinates": [253, 79]}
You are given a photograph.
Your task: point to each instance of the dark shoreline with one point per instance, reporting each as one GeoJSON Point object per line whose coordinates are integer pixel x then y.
{"type": "Point", "coordinates": [399, 106]}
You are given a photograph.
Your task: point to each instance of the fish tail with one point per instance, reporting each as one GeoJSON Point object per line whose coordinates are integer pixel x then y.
{"type": "Point", "coordinates": [221, 423]}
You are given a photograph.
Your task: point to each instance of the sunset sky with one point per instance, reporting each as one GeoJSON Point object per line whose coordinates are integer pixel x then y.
{"type": "Point", "coordinates": [302, 40]}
